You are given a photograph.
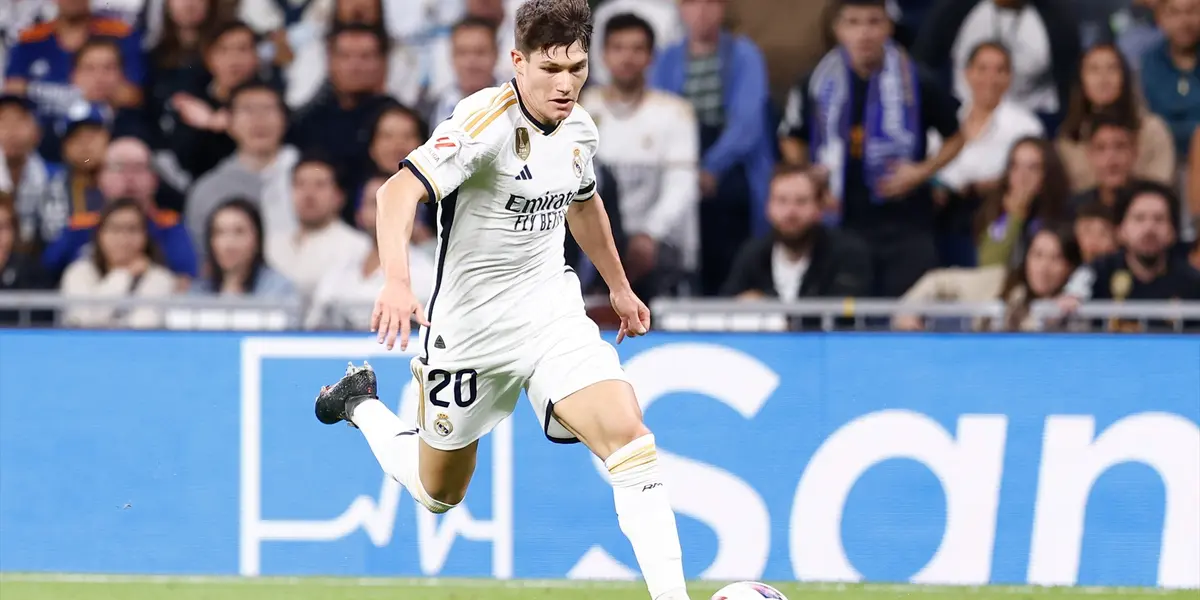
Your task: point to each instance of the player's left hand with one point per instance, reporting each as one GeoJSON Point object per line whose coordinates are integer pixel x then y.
{"type": "Point", "coordinates": [634, 315]}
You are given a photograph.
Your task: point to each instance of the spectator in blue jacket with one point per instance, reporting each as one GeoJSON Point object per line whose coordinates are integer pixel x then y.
{"type": "Point", "coordinates": [725, 78]}
{"type": "Point", "coordinates": [1171, 71]}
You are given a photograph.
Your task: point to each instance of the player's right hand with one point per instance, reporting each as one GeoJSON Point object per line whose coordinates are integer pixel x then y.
{"type": "Point", "coordinates": [395, 308]}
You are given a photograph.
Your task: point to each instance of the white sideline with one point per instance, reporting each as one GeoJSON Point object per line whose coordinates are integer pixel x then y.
{"type": "Point", "coordinates": [876, 588]}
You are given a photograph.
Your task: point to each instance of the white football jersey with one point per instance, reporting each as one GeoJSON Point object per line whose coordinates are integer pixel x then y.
{"type": "Point", "coordinates": [503, 183]}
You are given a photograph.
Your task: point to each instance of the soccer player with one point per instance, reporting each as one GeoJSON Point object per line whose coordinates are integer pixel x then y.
{"type": "Point", "coordinates": [507, 170]}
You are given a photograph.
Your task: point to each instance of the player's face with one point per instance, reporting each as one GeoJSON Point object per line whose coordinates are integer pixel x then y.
{"type": "Point", "coordinates": [1147, 230]}
{"type": "Point", "coordinates": [863, 31]}
{"type": "Point", "coordinates": [989, 76]}
{"type": "Point", "coordinates": [1112, 154]}
{"type": "Point", "coordinates": [234, 240]}
{"type": "Point", "coordinates": [793, 208]}
{"type": "Point", "coordinates": [256, 121]}
{"type": "Point", "coordinates": [1046, 268]}
{"type": "Point", "coordinates": [316, 195]}
{"type": "Point", "coordinates": [396, 136]}
{"type": "Point", "coordinates": [474, 55]}
{"type": "Point", "coordinates": [232, 59]}
{"type": "Point", "coordinates": [188, 14]}
{"type": "Point", "coordinates": [550, 80]}
{"type": "Point", "coordinates": [98, 74]}
{"type": "Point", "coordinates": [1096, 238]}
{"type": "Point", "coordinates": [1102, 77]}
{"type": "Point", "coordinates": [18, 131]}
{"type": "Point", "coordinates": [122, 238]}
{"type": "Point", "coordinates": [627, 55]}
{"type": "Point", "coordinates": [127, 172]}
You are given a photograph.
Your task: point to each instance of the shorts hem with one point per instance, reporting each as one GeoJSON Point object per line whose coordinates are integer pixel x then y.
{"type": "Point", "coordinates": [443, 445]}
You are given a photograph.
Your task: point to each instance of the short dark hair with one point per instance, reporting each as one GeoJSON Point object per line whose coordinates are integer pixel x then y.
{"type": "Point", "coordinates": [819, 179]}
{"type": "Point", "coordinates": [258, 85]}
{"type": "Point", "coordinates": [216, 275]}
{"type": "Point", "coordinates": [474, 23]}
{"type": "Point", "coordinates": [841, 4]}
{"type": "Point", "coordinates": [1095, 210]}
{"type": "Point", "coordinates": [1137, 189]}
{"type": "Point", "coordinates": [545, 24]}
{"type": "Point", "coordinates": [375, 31]}
{"type": "Point", "coordinates": [98, 43]}
{"type": "Point", "coordinates": [1105, 120]}
{"type": "Point", "coordinates": [626, 22]}
{"type": "Point", "coordinates": [316, 158]}
{"type": "Point", "coordinates": [225, 29]}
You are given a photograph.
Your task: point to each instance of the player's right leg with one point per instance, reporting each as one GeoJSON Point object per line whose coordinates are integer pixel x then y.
{"type": "Point", "coordinates": [437, 479]}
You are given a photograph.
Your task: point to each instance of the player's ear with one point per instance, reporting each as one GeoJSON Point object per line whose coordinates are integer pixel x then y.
{"type": "Point", "coordinates": [518, 61]}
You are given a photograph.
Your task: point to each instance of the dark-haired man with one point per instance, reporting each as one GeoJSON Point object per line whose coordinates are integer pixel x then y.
{"type": "Point", "coordinates": [509, 171]}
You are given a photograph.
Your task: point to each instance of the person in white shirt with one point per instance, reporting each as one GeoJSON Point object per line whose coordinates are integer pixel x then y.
{"type": "Point", "coordinates": [654, 151]}
{"type": "Point", "coordinates": [473, 53]}
{"type": "Point", "coordinates": [345, 296]}
{"type": "Point", "coordinates": [662, 15]}
{"type": "Point", "coordinates": [322, 242]}
{"type": "Point", "coordinates": [991, 124]}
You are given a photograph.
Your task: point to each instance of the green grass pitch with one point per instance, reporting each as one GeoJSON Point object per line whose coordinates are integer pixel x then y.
{"type": "Point", "coordinates": [84, 587]}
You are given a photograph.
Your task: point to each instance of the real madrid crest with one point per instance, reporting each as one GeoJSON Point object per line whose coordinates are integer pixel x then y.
{"type": "Point", "coordinates": [522, 143]}
{"type": "Point", "coordinates": [578, 163]}
{"type": "Point", "coordinates": [442, 425]}
{"type": "Point", "coordinates": [1120, 285]}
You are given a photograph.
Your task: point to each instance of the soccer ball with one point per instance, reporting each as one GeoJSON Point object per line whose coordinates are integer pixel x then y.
{"type": "Point", "coordinates": [748, 590]}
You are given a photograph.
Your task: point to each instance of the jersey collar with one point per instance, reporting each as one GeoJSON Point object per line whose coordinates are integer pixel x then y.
{"type": "Point", "coordinates": [542, 127]}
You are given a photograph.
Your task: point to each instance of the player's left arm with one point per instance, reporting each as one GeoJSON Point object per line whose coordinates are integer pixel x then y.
{"type": "Point", "coordinates": [592, 231]}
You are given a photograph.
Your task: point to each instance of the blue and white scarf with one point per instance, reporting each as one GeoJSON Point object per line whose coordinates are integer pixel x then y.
{"type": "Point", "coordinates": [891, 126]}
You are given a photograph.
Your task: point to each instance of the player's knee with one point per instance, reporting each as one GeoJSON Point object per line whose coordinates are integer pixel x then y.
{"type": "Point", "coordinates": [445, 497]}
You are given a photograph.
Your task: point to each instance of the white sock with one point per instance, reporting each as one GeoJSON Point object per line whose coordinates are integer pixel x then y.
{"type": "Point", "coordinates": [645, 515]}
{"type": "Point", "coordinates": [396, 447]}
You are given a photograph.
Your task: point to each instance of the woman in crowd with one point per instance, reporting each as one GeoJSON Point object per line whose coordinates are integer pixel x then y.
{"type": "Point", "coordinates": [1041, 275]}
{"type": "Point", "coordinates": [397, 131]}
{"type": "Point", "coordinates": [234, 260]}
{"type": "Point", "coordinates": [18, 271]}
{"type": "Point", "coordinates": [124, 263]}
{"type": "Point", "coordinates": [176, 62]}
{"type": "Point", "coordinates": [1032, 194]}
{"type": "Point", "coordinates": [1106, 85]}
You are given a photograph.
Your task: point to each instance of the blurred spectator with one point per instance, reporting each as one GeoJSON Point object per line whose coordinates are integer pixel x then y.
{"type": "Point", "coordinates": [336, 121]}
{"type": "Point", "coordinates": [1193, 182]}
{"type": "Point", "coordinates": [435, 70]}
{"type": "Point", "coordinates": [18, 271]}
{"type": "Point", "coordinates": [96, 76]}
{"type": "Point", "coordinates": [1145, 268]}
{"type": "Point", "coordinates": [1171, 71]}
{"type": "Point", "coordinates": [802, 258]}
{"type": "Point", "coordinates": [74, 198]}
{"type": "Point", "coordinates": [126, 173]}
{"type": "Point", "coordinates": [1095, 231]}
{"type": "Point", "coordinates": [345, 296]}
{"type": "Point", "coordinates": [652, 147]}
{"type": "Point", "coordinates": [608, 188]}
{"type": "Point", "coordinates": [990, 124]}
{"type": "Point", "coordinates": [260, 169]}
{"type": "Point", "coordinates": [305, 39]}
{"type": "Point", "coordinates": [1135, 30]}
{"type": "Point", "coordinates": [1041, 36]}
{"type": "Point", "coordinates": [323, 241]}
{"type": "Point", "coordinates": [724, 77]}
{"type": "Point", "coordinates": [198, 120]}
{"type": "Point", "coordinates": [864, 115]}
{"type": "Point", "coordinates": [234, 260]}
{"type": "Point", "coordinates": [1033, 195]}
{"type": "Point", "coordinates": [40, 64]}
{"type": "Point", "coordinates": [1105, 86]}
{"type": "Point", "coordinates": [1041, 274]}
{"type": "Point", "coordinates": [396, 132]}
{"type": "Point", "coordinates": [473, 59]}
{"type": "Point", "coordinates": [125, 263]}
{"type": "Point", "coordinates": [1112, 154]}
{"type": "Point", "coordinates": [662, 15]}
{"type": "Point", "coordinates": [176, 57]}
{"type": "Point", "coordinates": [29, 176]}
{"type": "Point", "coordinates": [18, 15]}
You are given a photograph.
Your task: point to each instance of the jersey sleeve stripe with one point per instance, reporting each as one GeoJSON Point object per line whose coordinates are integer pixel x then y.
{"type": "Point", "coordinates": [431, 188]}
{"type": "Point", "coordinates": [492, 117]}
{"type": "Point", "coordinates": [586, 192]}
{"type": "Point", "coordinates": [478, 115]}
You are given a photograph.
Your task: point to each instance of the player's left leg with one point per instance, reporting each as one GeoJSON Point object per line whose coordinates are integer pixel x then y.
{"type": "Point", "coordinates": [597, 406]}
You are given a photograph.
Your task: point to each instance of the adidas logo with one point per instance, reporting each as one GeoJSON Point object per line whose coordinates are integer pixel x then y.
{"type": "Point", "coordinates": [524, 175]}
{"type": "Point", "coordinates": [439, 344]}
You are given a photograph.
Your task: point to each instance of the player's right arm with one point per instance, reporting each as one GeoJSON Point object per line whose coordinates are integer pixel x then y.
{"type": "Point", "coordinates": [458, 148]}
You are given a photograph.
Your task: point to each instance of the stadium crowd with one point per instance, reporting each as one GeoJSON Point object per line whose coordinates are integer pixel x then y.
{"type": "Point", "coordinates": [929, 150]}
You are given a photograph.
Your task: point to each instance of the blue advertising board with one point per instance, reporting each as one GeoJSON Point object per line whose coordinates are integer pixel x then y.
{"type": "Point", "coordinates": [859, 457]}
